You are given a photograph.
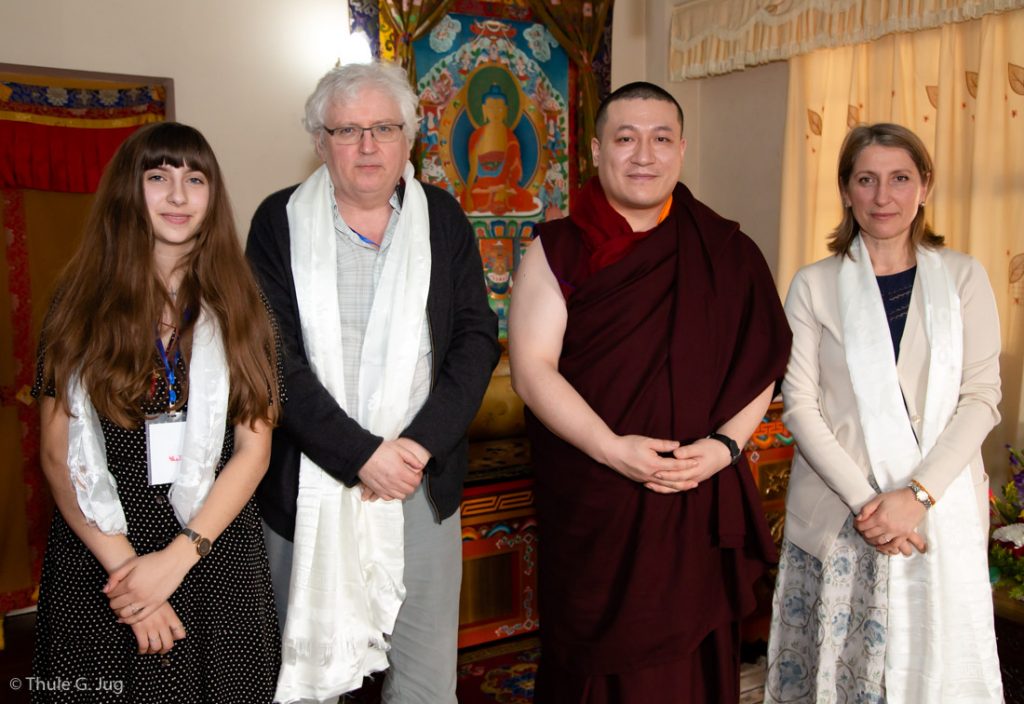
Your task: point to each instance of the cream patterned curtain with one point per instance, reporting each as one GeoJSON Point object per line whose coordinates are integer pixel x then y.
{"type": "Point", "coordinates": [961, 88]}
{"type": "Point", "coordinates": [717, 36]}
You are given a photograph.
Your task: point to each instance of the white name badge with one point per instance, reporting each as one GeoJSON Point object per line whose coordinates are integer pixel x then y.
{"type": "Point", "coordinates": [165, 440]}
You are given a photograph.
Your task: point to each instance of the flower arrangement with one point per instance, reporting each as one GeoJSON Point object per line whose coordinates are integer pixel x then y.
{"type": "Point", "coordinates": [1006, 549]}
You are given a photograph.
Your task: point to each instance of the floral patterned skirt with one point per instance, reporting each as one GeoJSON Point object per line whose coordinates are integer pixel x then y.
{"type": "Point", "coordinates": [828, 632]}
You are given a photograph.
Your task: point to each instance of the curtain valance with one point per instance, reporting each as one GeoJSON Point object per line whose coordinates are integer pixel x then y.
{"type": "Point", "coordinates": [57, 134]}
{"type": "Point", "coordinates": [711, 37]}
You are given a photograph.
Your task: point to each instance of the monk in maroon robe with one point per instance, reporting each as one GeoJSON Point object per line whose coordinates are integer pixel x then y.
{"type": "Point", "coordinates": [646, 339]}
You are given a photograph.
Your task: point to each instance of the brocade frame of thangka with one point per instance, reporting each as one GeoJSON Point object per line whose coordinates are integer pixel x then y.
{"type": "Point", "coordinates": [482, 62]}
{"type": "Point", "coordinates": [58, 130]}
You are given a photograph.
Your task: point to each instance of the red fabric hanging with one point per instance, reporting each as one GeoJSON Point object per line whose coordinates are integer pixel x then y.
{"type": "Point", "coordinates": [58, 133]}
{"type": "Point", "coordinates": [51, 158]}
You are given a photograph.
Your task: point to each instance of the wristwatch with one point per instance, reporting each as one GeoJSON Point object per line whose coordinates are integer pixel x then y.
{"type": "Point", "coordinates": [203, 545]}
{"type": "Point", "coordinates": [730, 444]}
{"type": "Point", "coordinates": [921, 494]}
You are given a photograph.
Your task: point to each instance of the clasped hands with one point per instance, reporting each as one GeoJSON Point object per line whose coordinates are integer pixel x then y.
{"type": "Point", "coordinates": [647, 461]}
{"type": "Point", "coordinates": [889, 523]}
{"type": "Point", "coordinates": [394, 470]}
{"type": "Point", "coordinates": [138, 591]}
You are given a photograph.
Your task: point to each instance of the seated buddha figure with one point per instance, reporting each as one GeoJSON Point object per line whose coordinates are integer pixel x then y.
{"type": "Point", "coordinates": [495, 163]}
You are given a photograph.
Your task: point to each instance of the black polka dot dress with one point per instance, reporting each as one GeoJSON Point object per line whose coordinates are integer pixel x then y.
{"type": "Point", "coordinates": [232, 649]}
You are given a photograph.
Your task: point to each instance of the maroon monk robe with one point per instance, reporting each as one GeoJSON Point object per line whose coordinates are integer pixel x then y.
{"type": "Point", "coordinates": [641, 593]}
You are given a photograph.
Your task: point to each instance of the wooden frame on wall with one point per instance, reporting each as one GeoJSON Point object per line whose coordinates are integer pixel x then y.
{"type": "Point", "coordinates": [58, 129]}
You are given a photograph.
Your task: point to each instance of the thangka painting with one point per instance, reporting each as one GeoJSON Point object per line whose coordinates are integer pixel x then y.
{"type": "Point", "coordinates": [495, 132]}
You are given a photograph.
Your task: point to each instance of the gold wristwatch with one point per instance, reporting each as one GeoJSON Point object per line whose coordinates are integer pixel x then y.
{"type": "Point", "coordinates": [921, 494]}
{"type": "Point", "coordinates": [203, 545]}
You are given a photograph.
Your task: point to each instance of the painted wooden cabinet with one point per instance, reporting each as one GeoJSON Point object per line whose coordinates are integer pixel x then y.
{"type": "Point", "coordinates": [499, 525]}
{"type": "Point", "coordinates": [499, 544]}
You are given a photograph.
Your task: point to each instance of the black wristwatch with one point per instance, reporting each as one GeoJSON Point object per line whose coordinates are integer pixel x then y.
{"type": "Point", "coordinates": [730, 444]}
{"type": "Point", "coordinates": [203, 545]}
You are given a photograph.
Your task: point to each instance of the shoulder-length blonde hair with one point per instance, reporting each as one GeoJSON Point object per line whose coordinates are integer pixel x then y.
{"type": "Point", "coordinates": [887, 135]}
{"type": "Point", "coordinates": [109, 297]}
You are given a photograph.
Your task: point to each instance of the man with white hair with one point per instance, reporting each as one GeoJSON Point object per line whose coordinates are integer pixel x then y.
{"type": "Point", "coordinates": [389, 342]}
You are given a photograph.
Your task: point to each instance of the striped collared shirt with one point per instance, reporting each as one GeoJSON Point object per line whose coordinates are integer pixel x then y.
{"type": "Point", "coordinates": [360, 263]}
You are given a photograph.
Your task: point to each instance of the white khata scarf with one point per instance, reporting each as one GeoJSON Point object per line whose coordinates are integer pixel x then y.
{"type": "Point", "coordinates": [349, 554]}
{"type": "Point", "coordinates": [940, 644]}
{"type": "Point", "coordinates": [96, 487]}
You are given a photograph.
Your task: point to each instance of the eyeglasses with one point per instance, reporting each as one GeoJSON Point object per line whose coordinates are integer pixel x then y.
{"type": "Point", "coordinates": [353, 134]}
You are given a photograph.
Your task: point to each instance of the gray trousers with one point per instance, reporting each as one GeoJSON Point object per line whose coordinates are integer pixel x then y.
{"type": "Point", "coordinates": [424, 645]}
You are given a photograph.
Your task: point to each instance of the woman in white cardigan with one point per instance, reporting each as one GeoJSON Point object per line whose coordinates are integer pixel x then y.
{"type": "Point", "coordinates": [892, 384]}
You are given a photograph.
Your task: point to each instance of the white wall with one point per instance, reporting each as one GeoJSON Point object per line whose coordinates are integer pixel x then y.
{"type": "Point", "coordinates": [734, 123]}
{"type": "Point", "coordinates": [743, 117]}
{"type": "Point", "coordinates": [629, 43]}
{"type": "Point", "coordinates": [640, 53]}
{"type": "Point", "coordinates": [242, 70]}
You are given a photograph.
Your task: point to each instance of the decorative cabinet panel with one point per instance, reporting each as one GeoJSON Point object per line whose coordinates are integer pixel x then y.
{"type": "Point", "coordinates": [770, 454]}
{"type": "Point", "coordinates": [499, 525]}
{"type": "Point", "coordinates": [499, 544]}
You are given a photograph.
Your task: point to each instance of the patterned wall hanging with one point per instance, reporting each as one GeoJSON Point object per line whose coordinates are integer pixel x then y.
{"type": "Point", "coordinates": [500, 92]}
{"type": "Point", "coordinates": [495, 132]}
{"type": "Point", "coordinates": [57, 134]}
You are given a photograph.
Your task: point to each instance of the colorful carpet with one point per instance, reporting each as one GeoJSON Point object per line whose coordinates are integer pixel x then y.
{"type": "Point", "coordinates": [501, 673]}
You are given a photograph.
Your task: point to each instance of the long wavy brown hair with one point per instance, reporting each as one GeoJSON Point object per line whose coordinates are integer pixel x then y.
{"type": "Point", "coordinates": [110, 298]}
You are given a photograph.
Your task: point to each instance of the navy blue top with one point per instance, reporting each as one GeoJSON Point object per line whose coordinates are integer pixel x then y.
{"type": "Point", "coordinates": [896, 289]}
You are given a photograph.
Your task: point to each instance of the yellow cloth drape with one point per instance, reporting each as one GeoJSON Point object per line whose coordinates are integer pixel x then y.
{"type": "Point", "coordinates": [961, 89]}
{"type": "Point", "coordinates": [579, 26]}
{"type": "Point", "coordinates": [717, 36]}
{"type": "Point", "coordinates": [409, 21]}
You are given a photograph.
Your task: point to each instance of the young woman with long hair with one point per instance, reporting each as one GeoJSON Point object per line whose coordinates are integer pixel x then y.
{"type": "Point", "coordinates": [159, 385]}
